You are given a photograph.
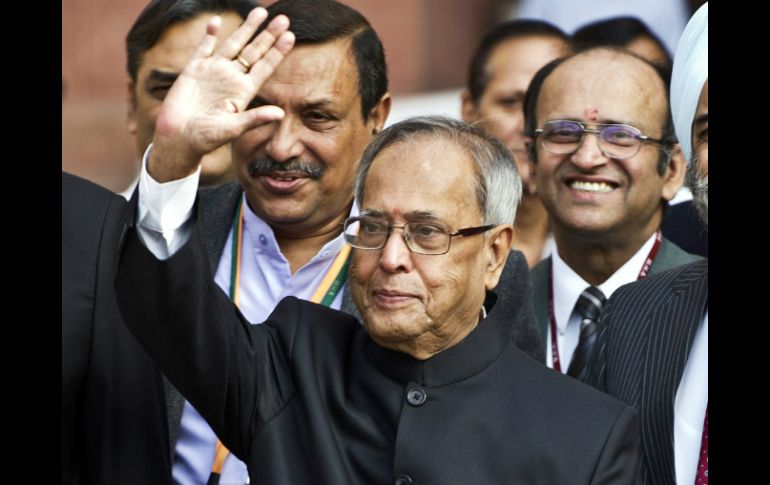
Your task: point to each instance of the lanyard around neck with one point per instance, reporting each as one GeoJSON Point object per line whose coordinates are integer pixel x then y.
{"type": "Point", "coordinates": [642, 274]}
{"type": "Point", "coordinates": [327, 290]}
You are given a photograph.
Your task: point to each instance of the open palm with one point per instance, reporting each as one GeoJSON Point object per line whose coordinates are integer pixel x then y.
{"type": "Point", "coordinates": [206, 107]}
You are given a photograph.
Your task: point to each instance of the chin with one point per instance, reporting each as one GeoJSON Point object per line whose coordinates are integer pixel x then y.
{"type": "Point", "coordinates": [390, 328]}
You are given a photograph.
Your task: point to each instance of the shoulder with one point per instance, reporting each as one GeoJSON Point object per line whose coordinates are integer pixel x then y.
{"type": "Point", "coordinates": [90, 215]}
{"type": "Point", "coordinates": [549, 391]}
{"type": "Point", "coordinates": [540, 273]}
{"type": "Point", "coordinates": [221, 197]}
{"type": "Point", "coordinates": [671, 256]}
{"type": "Point", "coordinates": [300, 322]}
{"type": "Point", "coordinates": [631, 302]}
{"type": "Point", "coordinates": [83, 201]}
{"type": "Point", "coordinates": [656, 283]}
{"type": "Point", "coordinates": [515, 274]}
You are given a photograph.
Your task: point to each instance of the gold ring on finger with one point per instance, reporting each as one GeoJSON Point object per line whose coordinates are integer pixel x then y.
{"type": "Point", "coordinates": [243, 62]}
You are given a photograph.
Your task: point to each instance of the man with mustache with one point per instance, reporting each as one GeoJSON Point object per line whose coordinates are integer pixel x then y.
{"type": "Point", "coordinates": [652, 349]}
{"type": "Point", "coordinates": [606, 163]}
{"type": "Point", "coordinates": [277, 230]}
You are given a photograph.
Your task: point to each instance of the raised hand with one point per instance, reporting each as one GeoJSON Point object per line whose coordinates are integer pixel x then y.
{"type": "Point", "coordinates": [206, 107]}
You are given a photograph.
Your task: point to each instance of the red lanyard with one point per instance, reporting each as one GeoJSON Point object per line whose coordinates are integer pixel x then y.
{"type": "Point", "coordinates": [642, 274]}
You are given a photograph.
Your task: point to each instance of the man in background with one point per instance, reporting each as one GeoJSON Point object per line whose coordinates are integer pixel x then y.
{"type": "Point", "coordinates": [606, 163]}
{"type": "Point", "coordinates": [158, 46]}
{"type": "Point", "coordinates": [501, 69]}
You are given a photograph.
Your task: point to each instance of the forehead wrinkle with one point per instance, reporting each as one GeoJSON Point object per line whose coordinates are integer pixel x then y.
{"type": "Point", "coordinates": [314, 81]}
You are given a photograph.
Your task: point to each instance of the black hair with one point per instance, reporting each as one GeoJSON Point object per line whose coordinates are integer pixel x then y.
{"type": "Point", "coordinates": [478, 76]}
{"type": "Point", "coordinates": [322, 21]}
{"type": "Point", "coordinates": [159, 15]}
{"type": "Point", "coordinates": [617, 31]}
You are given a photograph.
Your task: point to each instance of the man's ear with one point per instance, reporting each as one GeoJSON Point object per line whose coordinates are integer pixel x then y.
{"type": "Point", "coordinates": [468, 111]}
{"type": "Point", "coordinates": [497, 246]}
{"type": "Point", "coordinates": [674, 174]}
{"type": "Point", "coordinates": [379, 113]}
{"type": "Point", "coordinates": [131, 118]}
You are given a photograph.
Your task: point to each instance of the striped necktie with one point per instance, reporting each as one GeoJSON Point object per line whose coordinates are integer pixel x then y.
{"type": "Point", "coordinates": [588, 306]}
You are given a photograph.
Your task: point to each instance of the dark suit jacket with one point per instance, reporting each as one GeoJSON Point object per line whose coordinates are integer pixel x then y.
{"type": "Point", "coordinates": [669, 256]}
{"type": "Point", "coordinates": [646, 332]}
{"type": "Point", "coordinates": [307, 397]}
{"type": "Point", "coordinates": [114, 427]}
{"type": "Point", "coordinates": [217, 208]}
{"type": "Point", "coordinates": [683, 226]}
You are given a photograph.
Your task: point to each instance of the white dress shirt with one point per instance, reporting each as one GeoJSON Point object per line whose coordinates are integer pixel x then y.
{"type": "Point", "coordinates": [129, 191]}
{"type": "Point", "coordinates": [164, 226]}
{"type": "Point", "coordinates": [690, 406]}
{"type": "Point", "coordinates": [567, 287]}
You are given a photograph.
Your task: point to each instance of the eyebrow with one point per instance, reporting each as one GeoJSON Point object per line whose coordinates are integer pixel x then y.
{"type": "Point", "coordinates": [409, 216]}
{"type": "Point", "coordinates": [702, 118]}
{"type": "Point", "coordinates": [315, 104]}
{"type": "Point", "coordinates": [159, 76]}
{"type": "Point", "coordinates": [603, 121]}
{"type": "Point", "coordinates": [422, 215]}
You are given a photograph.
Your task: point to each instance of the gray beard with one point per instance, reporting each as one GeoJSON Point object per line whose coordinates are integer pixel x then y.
{"type": "Point", "coordinates": [699, 186]}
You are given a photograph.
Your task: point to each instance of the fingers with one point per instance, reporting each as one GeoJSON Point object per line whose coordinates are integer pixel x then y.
{"type": "Point", "coordinates": [237, 124]}
{"type": "Point", "coordinates": [265, 40]}
{"type": "Point", "coordinates": [265, 67]}
{"type": "Point", "coordinates": [233, 45]}
{"type": "Point", "coordinates": [206, 48]}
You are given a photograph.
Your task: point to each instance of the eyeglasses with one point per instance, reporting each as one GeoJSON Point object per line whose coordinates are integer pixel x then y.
{"type": "Point", "coordinates": [420, 237]}
{"type": "Point", "coordinates": [563, 137]}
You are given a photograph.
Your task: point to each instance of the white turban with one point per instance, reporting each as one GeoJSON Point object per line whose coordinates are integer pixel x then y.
{"type": "Point", "coordinates": [690, 72]}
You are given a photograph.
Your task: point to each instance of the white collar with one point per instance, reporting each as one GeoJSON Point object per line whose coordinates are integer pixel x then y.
{"type": "Point", "coordinates": [568, 285]}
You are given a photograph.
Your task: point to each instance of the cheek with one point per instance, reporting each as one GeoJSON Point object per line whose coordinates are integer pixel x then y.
{"type": "Point", "coordinates": [362, 266]}
{"type": "Point", "coordinates": [246, 145]}
{"type": "Point", "coordinates": [442, 280]}
{"type": "Point", "coordinates": [703, 160]}
{"type": "Point", "coordinates": [500, 125]}
{"type": "Point", "coordinates": [543, 169]}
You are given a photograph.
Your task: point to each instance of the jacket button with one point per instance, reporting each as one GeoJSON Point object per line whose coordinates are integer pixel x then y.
{"type": "Point", "coordinates": [416, 397]}
{"type": "Point", "coordinates": [404, 480]}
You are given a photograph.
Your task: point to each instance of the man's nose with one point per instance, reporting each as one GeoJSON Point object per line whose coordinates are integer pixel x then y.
{"type": "Point", "coordinates": [396, 255]}
{"type": "Point", "coordinates": [285, 143]}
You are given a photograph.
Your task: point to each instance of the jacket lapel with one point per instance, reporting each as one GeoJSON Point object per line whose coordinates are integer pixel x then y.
{"type": "Point", "coordinates": [671, 329]}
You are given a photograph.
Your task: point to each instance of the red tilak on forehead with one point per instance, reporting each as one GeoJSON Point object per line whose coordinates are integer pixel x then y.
{"type": "Point", "coordinates": [592, 114]}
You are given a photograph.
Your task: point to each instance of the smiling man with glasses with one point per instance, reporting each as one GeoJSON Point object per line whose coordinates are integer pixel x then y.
{"type": "Point", "coordinates": [606, 163]}
{"type": "Point", "coordinates": [432, 387]}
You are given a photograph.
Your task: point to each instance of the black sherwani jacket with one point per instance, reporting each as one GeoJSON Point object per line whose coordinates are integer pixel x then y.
{"type": "Point", "coordinates": [114, 428]}
{"type": "Point", "coordinates": [308, 397]}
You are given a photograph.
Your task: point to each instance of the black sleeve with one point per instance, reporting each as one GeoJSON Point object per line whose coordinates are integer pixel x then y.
{"type": "Point", "coordinates": [235, 374]}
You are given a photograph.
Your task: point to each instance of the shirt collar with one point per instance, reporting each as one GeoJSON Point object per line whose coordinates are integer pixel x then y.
{"type": "Point", "coordinates": [259, 235]}
{"type": "Point", "coordinates": [568, 286]}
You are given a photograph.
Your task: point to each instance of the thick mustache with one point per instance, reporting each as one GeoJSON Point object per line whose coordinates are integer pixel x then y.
{"type": "Point", "coordinates": [267, 166]}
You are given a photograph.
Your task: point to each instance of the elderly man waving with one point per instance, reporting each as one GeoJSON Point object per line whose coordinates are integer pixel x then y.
{"type": "Point", "coordinates": [432, 388]}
